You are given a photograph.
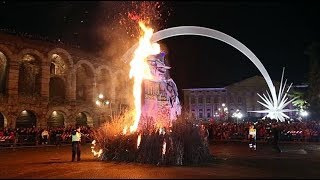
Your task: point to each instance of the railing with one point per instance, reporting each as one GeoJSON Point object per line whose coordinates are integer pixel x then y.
{"type": "Point", "coordinates": [32, 140]}
{"type": "Point", "coordinates": [288, 136]}
{"type": "Point", "coordinates": [7, 140]}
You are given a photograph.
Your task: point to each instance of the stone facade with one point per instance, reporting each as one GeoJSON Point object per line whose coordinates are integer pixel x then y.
{"type": "Point", "coordinates": [204, 103]}
{"type": "Point", "coordinates": [44, 78]}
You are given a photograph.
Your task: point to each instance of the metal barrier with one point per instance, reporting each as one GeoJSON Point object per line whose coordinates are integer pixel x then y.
{"type": "Point", "coordinates": [23, 140]}
{"type": "Point", "coordinates": [32, 140]}
{"type": "Point", "coordinates": [7, 140]}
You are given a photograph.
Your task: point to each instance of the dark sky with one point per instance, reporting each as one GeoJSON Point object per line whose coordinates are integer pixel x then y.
{"type": "Point", "coordinates": [277, 32]}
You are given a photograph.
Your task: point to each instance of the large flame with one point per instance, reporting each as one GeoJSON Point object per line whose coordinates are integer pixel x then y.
{"type": "Point", "coordinates": [138, 141]}
{"type": "Point", "coordinates": [140, 69]}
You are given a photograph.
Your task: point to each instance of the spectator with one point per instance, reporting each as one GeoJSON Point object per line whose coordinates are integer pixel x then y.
{"type": "Point", "coordinates": [45, 136]}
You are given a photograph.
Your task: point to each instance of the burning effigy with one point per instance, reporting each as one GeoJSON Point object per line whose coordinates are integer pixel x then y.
{"type": "Point", "coordinates": [160, 100]}
{"type": "Point", "coordinates": [154, 130]}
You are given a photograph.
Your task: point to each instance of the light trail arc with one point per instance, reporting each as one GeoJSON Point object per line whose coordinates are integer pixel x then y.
{"type": "Point", "coordinates": [211, 33]}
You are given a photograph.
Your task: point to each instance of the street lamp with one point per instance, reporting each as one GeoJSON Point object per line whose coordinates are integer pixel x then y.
{"type": "Point", "coordinates": [238, 115]}
{"type": "Point", "coordinates": [102, 101]}
{"type": "Point", "coordinates": [304, 113]}
{"type": "Point", "coordinates": [223, 111]}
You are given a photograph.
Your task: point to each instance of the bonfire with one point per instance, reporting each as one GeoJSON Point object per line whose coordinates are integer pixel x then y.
{"type": "Point", "coordinates": [154, 131]}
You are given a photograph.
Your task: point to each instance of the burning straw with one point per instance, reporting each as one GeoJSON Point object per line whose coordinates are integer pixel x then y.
{"type": "Point", "coordinates": [184, 143]}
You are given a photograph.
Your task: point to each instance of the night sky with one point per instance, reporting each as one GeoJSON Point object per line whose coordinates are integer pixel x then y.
{"type": "Point", "coordinates": [277, 32]}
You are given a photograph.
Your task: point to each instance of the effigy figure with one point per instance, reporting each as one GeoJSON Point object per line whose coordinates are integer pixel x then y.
{"type": "Point", "coordinates": [160, 100]}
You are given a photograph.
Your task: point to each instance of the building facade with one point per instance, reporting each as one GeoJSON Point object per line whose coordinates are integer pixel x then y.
{"type": "Point", "coordinates": [207, 103]}
{"type": "Point", "coordinates": [47, 84]}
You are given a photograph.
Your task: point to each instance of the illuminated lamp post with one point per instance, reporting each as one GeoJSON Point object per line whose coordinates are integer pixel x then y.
{"type": "Point", "coordinates": [238, 115]}
{"type": "Point", "coordinates": [304, 113]}
{"type": "Point", "coordinates": [102, 101]}
{"type": "Point", "coordinates": [223, 111]}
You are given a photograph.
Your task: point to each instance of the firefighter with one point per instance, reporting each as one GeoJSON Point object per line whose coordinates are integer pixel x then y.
{"type": "Point", "coordinates": [76, 140]}
{"type": "Point", "coordinates": [252, 138]}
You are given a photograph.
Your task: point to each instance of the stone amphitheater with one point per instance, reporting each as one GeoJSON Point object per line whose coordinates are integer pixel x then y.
{"type": "Point", "coordinates": [45, 84]}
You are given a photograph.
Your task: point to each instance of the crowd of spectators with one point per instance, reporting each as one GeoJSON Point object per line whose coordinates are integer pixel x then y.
{"type": "Point", "coordinates": [38, 136]}
{"type": "Point", "coordinates": [308, 131]}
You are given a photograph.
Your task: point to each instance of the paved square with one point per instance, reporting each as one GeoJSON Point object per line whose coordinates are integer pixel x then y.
{"type": "Point", "coordinates": [233, 160]}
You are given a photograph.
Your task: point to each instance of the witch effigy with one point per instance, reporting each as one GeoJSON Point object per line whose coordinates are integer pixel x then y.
{"type": "Point", "coordinates": [163, 136]}
{"type": "Point", "coordinates": [160, 102]}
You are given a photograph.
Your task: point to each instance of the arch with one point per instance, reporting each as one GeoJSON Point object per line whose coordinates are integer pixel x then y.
{"type": "Point", "coordinates": [57, 88]}
{"type": "Point", "coordinates": [56, 119]}
{"type": "Point", "coordinates": [121, 80]}
{"type": "Point", "coordinates": [3, 72]}
{"type": "Point", "coordinates": [84, 118]}
{"type": "Point", "coordinates": [33, 52]}
{"type": "Point", "coordinates": [64, 53]}
{"type": "Point", "coordinates": [29, 82]}
{"type": "Point", "coordinates": [88, 114]}
{"type": "Point", "coordinates": [211, 33]}
{"type": "Point", "coordinates": [98, 70]}
{"type": "Point", "coordinates": [81, 119]}
{"type": "Point", "coordinates": [3, 121]}
{"type": "Point", "coordinates": [6, 51]}
{"type": "Point", "coordinates": [85, 62]}
{"type": "Point", "coordinates": [104, 85]}
{"type": "Point", "coordinates": [84, 80]}
{"type": "Point", "coordinates": [61, 109]}
{"type": "Point", "coordinates": [26, 119]}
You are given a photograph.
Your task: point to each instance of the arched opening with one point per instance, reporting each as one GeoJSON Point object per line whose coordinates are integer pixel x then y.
{"type": "Point", "coordinates": [56, 119]}
{"type": "Point", "coordinates": [58, 65]}
{"type": "Point", "coordinates": [29, 76]}
{"type": "Point", "coordinates": [104, 83]}
{"type": "Point", "coordinates": [26, 119]}
{"type": "Point", "coordinates": [3, 121]}
{"type": "Point", "coordinates": [57, 90]}
{"type": "Point", "coordinates": [84, 83]}
{"type": "Point", "coordinates": [84, 119]}
{"type": "Point", "coordinates": [52, 68]}
{"type": "Point", "coordinates": [122, 93]}
{"type": "Point", "coordinates": [3, 73]}
{"type": "Point", "coordinates": [81, 119]}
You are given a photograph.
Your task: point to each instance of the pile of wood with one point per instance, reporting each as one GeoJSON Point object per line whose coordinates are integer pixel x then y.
{"type": "Point", "coordinates": [185, 143]}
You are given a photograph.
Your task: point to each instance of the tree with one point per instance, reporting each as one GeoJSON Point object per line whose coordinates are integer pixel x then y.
{"type": "Point", "coordinates": [314, 79]}
{"type": "Point", "coordinates": [300, 101]}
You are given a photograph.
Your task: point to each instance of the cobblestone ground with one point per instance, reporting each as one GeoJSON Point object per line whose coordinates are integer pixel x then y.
{"type": "Point", "coordinates": [233, 160]}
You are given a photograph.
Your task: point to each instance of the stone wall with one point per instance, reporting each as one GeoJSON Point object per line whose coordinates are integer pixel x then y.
{"type": "Point", "coordinates": [12, 103]}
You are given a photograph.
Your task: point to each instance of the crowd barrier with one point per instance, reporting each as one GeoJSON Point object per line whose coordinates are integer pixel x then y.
{"type": "Point", "coordinates": [31, 140]}
{"type": "Point", "coordinates": [291, 136]}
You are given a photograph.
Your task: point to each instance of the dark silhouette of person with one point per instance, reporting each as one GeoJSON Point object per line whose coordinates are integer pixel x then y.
{"type": "Point", "coordinates": [276, 137]}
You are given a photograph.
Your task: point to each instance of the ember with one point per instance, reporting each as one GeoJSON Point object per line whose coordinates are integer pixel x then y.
{"type": "Point", "coordinates": [185, 145]}
{"type": "Point", "coordinates": [158, 134]}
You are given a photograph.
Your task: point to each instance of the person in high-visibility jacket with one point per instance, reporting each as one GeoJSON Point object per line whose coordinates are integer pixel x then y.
{"type": "Point", "coordinates": [76, 139]}
{"type": "Point", "coordinates": [252, 138]}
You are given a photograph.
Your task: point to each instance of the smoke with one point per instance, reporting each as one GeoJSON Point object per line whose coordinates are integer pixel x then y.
{"type": "Point", "coordinates": [117, 30]}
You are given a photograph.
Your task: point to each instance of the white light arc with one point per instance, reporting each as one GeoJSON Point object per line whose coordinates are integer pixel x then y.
{"type": "Point", "coordinates": [211, 33]}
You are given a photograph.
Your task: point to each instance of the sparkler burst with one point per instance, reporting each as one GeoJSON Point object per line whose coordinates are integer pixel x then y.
{"type": "Point", "coordinates": [275, 105]}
